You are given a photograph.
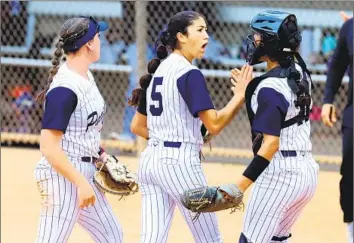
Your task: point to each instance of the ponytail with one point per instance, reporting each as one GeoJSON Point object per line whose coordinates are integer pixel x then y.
{"type": "Point", "coordinates": [57, 56]}
{"type": "Point", "coordinates": [137, 94]}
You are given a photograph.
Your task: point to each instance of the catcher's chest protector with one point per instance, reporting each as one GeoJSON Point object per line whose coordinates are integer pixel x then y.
{"type": "Point", "coordinates": [277, 72]}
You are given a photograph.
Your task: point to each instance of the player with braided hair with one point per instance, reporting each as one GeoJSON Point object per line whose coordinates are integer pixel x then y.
{"type": "Point", "coordinates": [58, 53]}
{"type": "Point", "coordinates": [138, 98]}
{"type": "Point", "coordinates": [173, 102]}
{"type": "Point", "coordinates": [70, 139]}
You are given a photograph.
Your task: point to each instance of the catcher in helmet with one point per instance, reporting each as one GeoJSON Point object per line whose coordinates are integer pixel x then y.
{"type": "Point", "coordinates": [278, 103]}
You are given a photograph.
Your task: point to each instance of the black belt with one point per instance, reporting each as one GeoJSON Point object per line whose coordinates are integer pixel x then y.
{"type": "Point", "coordinates": [172, 144]}
{"type": "Point", "coordinates": [288, 153]}
{"type": "Point", "coordinates": [292, 153]}
{"type": "Point", "coordinates": [89, 159]}
{"type": "Point", "coordinates": [285, 153]}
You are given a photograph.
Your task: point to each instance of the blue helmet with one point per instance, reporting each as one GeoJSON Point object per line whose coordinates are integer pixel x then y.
{"type": "Point", "coordinates": [278, 31]}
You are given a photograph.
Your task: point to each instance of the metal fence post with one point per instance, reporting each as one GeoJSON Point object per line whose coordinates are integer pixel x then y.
{"type": "Point", "coordinates": [141, 34]}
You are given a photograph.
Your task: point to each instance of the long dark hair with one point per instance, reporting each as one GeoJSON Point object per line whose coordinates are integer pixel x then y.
{"type": "Point", "coordinates": [68, 31]}
{"type": "Point", "coordinates": [167, 40]}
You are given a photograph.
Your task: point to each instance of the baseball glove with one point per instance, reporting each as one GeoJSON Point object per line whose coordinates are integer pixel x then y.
{"type": "Point", "coordinates": [211, 199]}
{"type": "Point", "coordinates": [205, 134]}
{"type": "Point", "coordinates": [114, 177]}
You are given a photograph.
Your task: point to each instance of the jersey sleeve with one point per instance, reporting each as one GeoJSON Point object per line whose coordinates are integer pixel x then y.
{"type": "Point", "coordinates": [142, 104]}
{"type": "Point", "coordinates": [194, 92]}
{"type": "Point", "coordinates": [271, 112]}
{"type": "Point", "coordinates": [60, 103]}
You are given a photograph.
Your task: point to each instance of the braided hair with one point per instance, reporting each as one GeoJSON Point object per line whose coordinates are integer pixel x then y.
{"type": "Point", "coordinates": [68, 32]}
{"type": "Point", "coordinates": [145, 80]}
{"type": "Point", "coordinates": [166, 41]}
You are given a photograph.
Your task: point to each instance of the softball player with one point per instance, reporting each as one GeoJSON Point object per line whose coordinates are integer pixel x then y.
{"type": "Point", "coordinates": [70, 138]}
{"type": "Point", "coordinates": [170, 113]}
{"type": "Point", "coordinates": [278, 105]}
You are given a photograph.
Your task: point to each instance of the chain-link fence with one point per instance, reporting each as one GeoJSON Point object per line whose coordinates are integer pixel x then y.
{"type": "Point", "coordinates": [29, 31]}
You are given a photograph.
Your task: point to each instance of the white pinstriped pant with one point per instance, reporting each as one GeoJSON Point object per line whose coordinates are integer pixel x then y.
{"type": "Point", "coordinates": [164, 173]}
{"type": "Point", "coordinates": [279, 196]}
{"type": "Point", "coordinates": [60, 209]}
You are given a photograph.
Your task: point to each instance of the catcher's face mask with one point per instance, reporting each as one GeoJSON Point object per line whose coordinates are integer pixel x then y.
{"type": "Point", "coordinates": [255, 48]}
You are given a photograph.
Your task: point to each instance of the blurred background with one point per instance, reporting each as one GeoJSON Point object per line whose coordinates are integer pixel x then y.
{"type": "Point", "coordinates": [29, 32]}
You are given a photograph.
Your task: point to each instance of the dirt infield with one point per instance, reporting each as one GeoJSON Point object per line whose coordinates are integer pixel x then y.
{"type": "Point", "coordinates": [320, 222]}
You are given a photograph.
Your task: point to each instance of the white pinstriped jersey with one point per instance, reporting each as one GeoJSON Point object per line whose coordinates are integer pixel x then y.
{"type": "Point", "coordinates": [81, 125]}
{"type": "Point", "coordinates": [83, 133]}
{"type": "Point", "coordinates": [294, 137]}
{"type": "Point", "coordinates": [168, 117]}
{"type": "Point", "coordinates": [170, 164]}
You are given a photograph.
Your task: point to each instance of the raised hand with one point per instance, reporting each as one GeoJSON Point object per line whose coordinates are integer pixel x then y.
{"type": "Point", "coordinates": [241, 78]}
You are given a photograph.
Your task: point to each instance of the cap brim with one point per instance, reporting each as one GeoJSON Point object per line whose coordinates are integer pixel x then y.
{"type": "Point", "coordinates": [102, 26]}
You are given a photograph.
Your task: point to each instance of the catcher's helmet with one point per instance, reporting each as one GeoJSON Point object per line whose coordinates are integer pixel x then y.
{"type": "Point", "coordinates": [279, 32]}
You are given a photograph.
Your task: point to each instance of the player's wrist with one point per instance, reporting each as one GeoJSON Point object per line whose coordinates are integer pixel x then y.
{"type": "Point", "coordinates": [80, 181]}
{"type": "Point", "coordinates": [328, 101]}
{"type": "Point", "coordinates": [244, 183]}
{"type": "Point", "coordinates": [327, 104]}
{"type": "Point", "coordinates": [239, 99]}
{"type": "Point", "coordinates": [240, 96]}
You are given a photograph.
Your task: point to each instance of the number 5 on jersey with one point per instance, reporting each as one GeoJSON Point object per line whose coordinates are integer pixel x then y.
{"type": "Point", "coordinates": [156, 110]}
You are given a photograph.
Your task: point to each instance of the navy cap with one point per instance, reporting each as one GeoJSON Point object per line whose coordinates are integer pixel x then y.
{"type": "Point", "coordinates": [75, 42]}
